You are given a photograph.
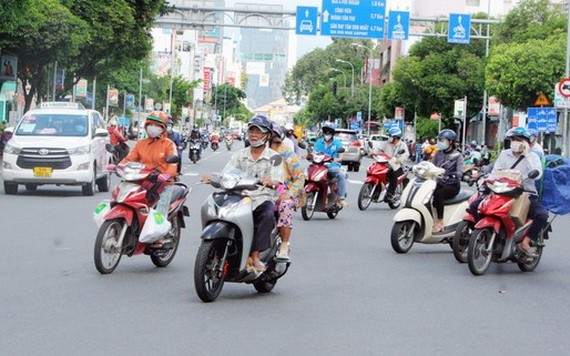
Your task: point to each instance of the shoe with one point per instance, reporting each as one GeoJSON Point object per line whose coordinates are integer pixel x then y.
{"type": "Point", "coordinates": [161, 243]}
{"type": "Point", "coordinates": [283, 253]}
{"type": "Point", "coordinates": [388, 197]}
{"type": "Point", "coordinates": [529, 252]}
{"type": "Point", "coordinates": [342, 203]}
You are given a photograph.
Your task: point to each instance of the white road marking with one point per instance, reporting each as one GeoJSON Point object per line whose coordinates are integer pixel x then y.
{"type": "Point", "coordinates": [354, 181]}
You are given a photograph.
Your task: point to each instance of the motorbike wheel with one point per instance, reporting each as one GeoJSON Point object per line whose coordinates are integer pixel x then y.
{"type": "Point", "coordinates": [479, 255]}
{"type": "Point", "coordinates": [332, 213]}
{"type": "Point", "coordinates": [264, 287]}
{"type": "Point", "coordinates": [308, 209]}
{"type": "Point", "coordinates": [208, 279]}
{"type": "Point", "coordinates": [165, 259]}
{"type": "Point", "coordinates": [402, 236]}
{"type": "Point", "coordinates": [365, 196]}
{"type": "Point", "coordinates": [395, 204]}
{"type": "Point", "coordinates": [461, 241]}
{"type": "Point", "coordinates": [194, 158]}
{"type": "Point", "coordinates": [529, 264]}
{"type": "Point", "coordinates": [106, 254]}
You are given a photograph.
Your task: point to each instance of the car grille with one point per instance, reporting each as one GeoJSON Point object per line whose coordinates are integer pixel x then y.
{"type": "Point", "coordinates": [56, 158]}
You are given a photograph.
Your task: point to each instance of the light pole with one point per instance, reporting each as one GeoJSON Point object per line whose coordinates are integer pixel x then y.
{"type": "Point", "coordinates": [352, 83]}
{"type": "Point", "coordinates": [343, 73]}
{"type": "Point", "coordinates": [369, 75]}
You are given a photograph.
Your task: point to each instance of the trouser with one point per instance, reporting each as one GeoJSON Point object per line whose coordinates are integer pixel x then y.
{"type": "Point", "coordinates": [393, 180]}
{"type": "Point", "coordinates": [285, 210]}
{"type": "Point", "coordinates": [536, 212]}
{"type": "Point", "coordinates": [264, 221]}
{"type": "Point", "coordinates": [340, 176]}
{"type": "Point", "coordinates": [441, 193]}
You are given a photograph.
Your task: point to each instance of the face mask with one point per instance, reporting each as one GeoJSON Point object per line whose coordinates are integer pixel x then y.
{"type": "Point", "coordinates": [442, 145]}
{"type": "Point", "coordinates": [169, 129]}
{"type": "Point", "coordinates": [258, 143]}
{"type": "Point", "coordinates": [328, 137]}
{"type": "Point", "coordinates": [516, 146]}
{"type": "Point", "coordinates": [154, 131]}
{"type": "Point", "coordinates": [391, 139]}
{"type": "Point", "coordinates": [532, 139]}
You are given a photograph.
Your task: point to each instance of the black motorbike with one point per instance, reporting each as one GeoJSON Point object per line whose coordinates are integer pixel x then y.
{"type": "Point", "coordinates": [194, 150]}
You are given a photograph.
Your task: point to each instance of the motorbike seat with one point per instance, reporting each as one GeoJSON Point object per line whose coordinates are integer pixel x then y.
{"type": "Point", "coordinates": [459, 198]}
{"type": "Point", "coordinates": [178, 190]}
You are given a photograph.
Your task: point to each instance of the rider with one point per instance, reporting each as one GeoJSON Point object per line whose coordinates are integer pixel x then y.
{"type": "Point", "coordinates": [256, 161]}
{"type": "Point", "coordinates": [178, 141]}
{"type": "Point", "coordinates": [330, 145]}
{"type": "Point", "coordinates": [394, 147]}
{"type": "Point", "coordinates": [291, 194]}
{"type": "Point", "coordinates": [290, 135]}
{"type": "Point", "coordinates": [534, 145]}
{"type": "Point", "coordinates": [449, 158]}
{"type": "Point", "coordinates": [117, 140]}
{"type": "Point", "coordinates": [519, 157]}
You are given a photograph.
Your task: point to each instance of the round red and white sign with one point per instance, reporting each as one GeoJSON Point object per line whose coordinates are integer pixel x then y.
{"type": "Point", "coordinates": [563, 87]}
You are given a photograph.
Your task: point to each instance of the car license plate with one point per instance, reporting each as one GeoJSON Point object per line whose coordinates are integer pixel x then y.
{"type": "Point", "coordinates": [42, 171]}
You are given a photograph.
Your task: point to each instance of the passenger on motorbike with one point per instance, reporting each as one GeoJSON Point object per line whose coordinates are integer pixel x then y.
{"type": "Point", "coordinates": [393, 147]}
{"type": "Point", "coordinates": [291, 194]}
{"type": "Point", "coordinates": [178, 141]}
{"type": "Point", "coordinates": [519, 157]}
{"type": "Point", "coordinates": [117, 140]}
{"type": "Point", "coordinates": [449, 158]}
{"type": "Point", "coordinates": [534, 145]}
{"type": "Point", "coordinates": [256, 161]}
{"type": "Point", "coordinates": [330, 145]}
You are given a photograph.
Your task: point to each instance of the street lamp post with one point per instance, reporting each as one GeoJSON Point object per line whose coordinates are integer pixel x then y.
{"type": "Point", "coordinates": [369, 75]}
{"type": "Point", "coordinates": [343, 73]}
{"type": "Point", "coordinates": [352, 83]}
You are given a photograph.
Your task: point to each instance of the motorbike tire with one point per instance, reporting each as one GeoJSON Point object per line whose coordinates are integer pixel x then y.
{"type": "Point", "coordinates": [478, 259]}
{"type": "Point", "coordinates": [308, 209]}
{"type": "Point", "coordinates": [365, 196]}
{"type": "Point", "coordinates": [460, 242]}
{"type": "Point", "coordinates": [356, 167]}
{"type": "Point", "coordinates": [105, 261]}
{"type": "Point", "coordinates": [403, 235]}
{"type": "Point", "coordinates": [207, 285]}
{"type": "Point", "coordinates": [530, 265]}
{"type": "Point", "coordinates": [395, 204]}
{"type": "Point", "coordinates": [164, 260]}
{"type": "Point", "coordinates": [194, 158]}
{"type": "Point", "coordinates": [264, 287]}
{"type": "Point", "coordinates": [332, 213]}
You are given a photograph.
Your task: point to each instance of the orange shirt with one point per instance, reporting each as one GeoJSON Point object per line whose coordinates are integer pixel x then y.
{"type": "Point", "coordinates": [152, 152]}
{"type": "Point", "coordinates": [115, 136]}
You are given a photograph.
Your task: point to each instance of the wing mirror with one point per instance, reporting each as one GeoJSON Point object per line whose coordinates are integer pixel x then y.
{"type": "Point", "coordinates": [341, 150]}
{"type": "Point", "coordinates": [172, 159]}
{"type": "Point", "coordinates": [533, 174]}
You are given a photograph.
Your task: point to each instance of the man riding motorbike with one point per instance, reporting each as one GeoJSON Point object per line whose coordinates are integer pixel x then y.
{"type": "Point", "coordinates": [117, 140]}
{"type": "Point", "coordinates": [393, 147]}
{"type": "Point", "coordinates": [330, 145]}
{"type": "Point", "coordinates": [519, 157]}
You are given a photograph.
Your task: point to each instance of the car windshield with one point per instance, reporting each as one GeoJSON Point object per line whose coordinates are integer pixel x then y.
{"type": "Point", "coordinates": [53, 125]}
{"type": "Point", "coordinates": [346, 136]}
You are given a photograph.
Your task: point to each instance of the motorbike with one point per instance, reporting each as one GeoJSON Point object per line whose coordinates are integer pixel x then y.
{"type": "Point", "coordinates": [227, 236]}
{"type": "Point", "coordinates": [415, 219]}
{"type": "Point", "coordinates": [215, 145]}
{"type": "Point", "coordinates": [194, 151]}
{"type": "Point", "coordinates": [376, 183]}
{"type": "Point", "coordinates": [471, 170]}
{"type": "Point", "coordinates": [321, 189]}
{"type": "Point", "coordinates": [503, 225]}
{"type": "Point", "coordinates": [229, 142]}
{"type": "Point", "coordinates": [204, 143]}
{"type": "Point", "coordinates": [127, 214]}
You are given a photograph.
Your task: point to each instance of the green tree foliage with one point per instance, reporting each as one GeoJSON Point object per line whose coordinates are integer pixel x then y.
{"type": "Point", "coordinates": [426, 128]}
{"type": "Point", "coordinates": [228, 102]}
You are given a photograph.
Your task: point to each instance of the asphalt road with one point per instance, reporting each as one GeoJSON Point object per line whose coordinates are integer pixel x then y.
{"type": "Point", "coordinates": [346, 292]}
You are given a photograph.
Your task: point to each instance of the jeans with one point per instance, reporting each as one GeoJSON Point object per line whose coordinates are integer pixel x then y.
{"type": "Point", "coordinates": [264, 222]}
{"type": "Point", "coordinates": [335, 172]}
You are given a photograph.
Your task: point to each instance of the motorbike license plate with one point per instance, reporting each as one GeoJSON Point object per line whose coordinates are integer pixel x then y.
{"type": "Point", "coordinates": [42, 171]}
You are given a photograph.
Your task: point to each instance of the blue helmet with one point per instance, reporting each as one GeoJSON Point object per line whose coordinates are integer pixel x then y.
{"type": "Point", "coordinates": [518, 132]}
{"type": "Point", "coordinates": [395, 131]}
{"type": "Point", "coordinates": [261, 121]}
{"type": "Point", "coordinates": [448, 134]}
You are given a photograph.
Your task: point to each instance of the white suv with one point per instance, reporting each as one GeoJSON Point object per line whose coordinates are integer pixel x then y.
{"type": "Point", "coordinates": [57, 143]}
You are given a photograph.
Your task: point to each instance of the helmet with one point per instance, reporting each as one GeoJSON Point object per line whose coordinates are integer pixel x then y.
{"type": "Point", "coordinates": [277, 130]}
{"type": "Point", "coordinates": [329, 128]}
{"type": "Point", "coordinates": [447, 134]}
{"type": "Point", "coordinates": [478, 148]}
{"type": "Point", "coordinates": [395, 131]}
{"type": "Point", "coordinates": [289, 126]}
{"type": "Point", "coordinates": [474, 143]}
{"type": "Point", "coordinates": [261, 122]}
{"type": "Point", "coordinates": [157, 116]}
{"type": "Point", "coordinates": [112, 122]}
{"type": "Point", "coordinates": [170, 122]}
{"type": "Point", "coordinates": [518, 132]}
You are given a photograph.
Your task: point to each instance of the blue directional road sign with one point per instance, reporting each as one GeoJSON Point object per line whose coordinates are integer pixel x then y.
{"type": "Point", "coordinates": [542, 119]}
{"type": "Point", "coordinates": [353, 18]}
{"type": "Point", "coordinates": [459, 28]}
{"type": "Point", "coordinates": [398, 25]}
{"type": "Point", "coordinates": [306, 20]}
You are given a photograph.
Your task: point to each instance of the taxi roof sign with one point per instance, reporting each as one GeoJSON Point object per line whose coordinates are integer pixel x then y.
{"type": "Point", "coordinates": [542, 100]}
{"type": "Point", "coordinates": [60, 105]}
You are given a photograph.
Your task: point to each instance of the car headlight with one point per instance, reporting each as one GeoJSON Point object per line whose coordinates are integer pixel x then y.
{"type": "Point", "coordinates": [9, 148]}
{"type": "Point", "coordinates": [81, 150]}
{"type": "Point", "coordinates": [229, 181]}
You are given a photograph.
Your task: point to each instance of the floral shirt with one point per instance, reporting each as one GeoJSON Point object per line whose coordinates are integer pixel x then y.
{"type": "Point", "coordinates": [294, 176]}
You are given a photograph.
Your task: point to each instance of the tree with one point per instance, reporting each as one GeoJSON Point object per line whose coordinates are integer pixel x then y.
{"type": "Point", "coordinates": [227, 100]}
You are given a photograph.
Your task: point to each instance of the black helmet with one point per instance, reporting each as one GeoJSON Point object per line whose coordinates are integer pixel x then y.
{"type": "Point", "coordinates": [447, 134]}
{"type": "Point", "coordinates": [277, 130]}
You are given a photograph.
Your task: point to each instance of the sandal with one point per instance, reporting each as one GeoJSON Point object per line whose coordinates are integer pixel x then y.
{"type": "Point", "coordinates": [437, 229]}
{"type": "Point", "coordinates": [529, 252]}
{"type": "Point", "coordinates": [161, 243]}
{"type": "Point", "coordinates": [257, 268]}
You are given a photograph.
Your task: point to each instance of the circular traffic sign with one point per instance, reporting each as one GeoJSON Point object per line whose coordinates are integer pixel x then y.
{"type": "Point", "coordinates": [564, 87]}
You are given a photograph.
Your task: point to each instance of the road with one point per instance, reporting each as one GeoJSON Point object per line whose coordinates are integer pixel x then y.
{"type": "Point", "coordinates": [347, 292]}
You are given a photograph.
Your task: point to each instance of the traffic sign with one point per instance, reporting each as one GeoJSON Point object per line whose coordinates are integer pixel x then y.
{"type": "Point", "coordinates": [459, 28]}
{"type": "Point", "coordinates": [542, 100]}
{"type": "Point", "coordinates": [559, 101]}
{"type": "Point", "coordinates": [542, 119]}
{"type": "Point", "coordinates": [398, 25]}
{"type": "Point", "coordinates": [564, 87]}
{"type": "Point", "coordinates": [306, 20]}
{"type": "Point", "coordinates": [354, 18]}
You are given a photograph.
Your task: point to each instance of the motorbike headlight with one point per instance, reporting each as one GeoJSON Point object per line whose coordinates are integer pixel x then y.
{"type": "Point", "coordinates": [9, 148]}
{"type": "Point", "coordinates": [501, 187]}
{"type": "Point", "coordinates": [229, 181]}
{"type": "Point", "coordinates": [81, 150]}
{"type": "Point", "coordinates": [420, 169]}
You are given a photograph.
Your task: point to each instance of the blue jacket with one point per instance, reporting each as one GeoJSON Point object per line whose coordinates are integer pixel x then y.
{"type": "Point", "coordinates": [331, 150]}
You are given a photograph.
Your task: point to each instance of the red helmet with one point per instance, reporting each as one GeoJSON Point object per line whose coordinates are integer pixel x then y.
{"type": "Point", "coordinates": [157, 116]}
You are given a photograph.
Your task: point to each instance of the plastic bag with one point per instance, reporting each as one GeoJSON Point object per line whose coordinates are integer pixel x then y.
{"type": "Point", "coordinates": [555, 194]}
{"type": "Point", "coordinates": [100, 211]}
{"type": "Point", "coordinates": [155, 227]}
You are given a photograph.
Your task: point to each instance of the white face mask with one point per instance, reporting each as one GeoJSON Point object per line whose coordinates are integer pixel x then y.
{"type": "Point", "coordinates": [391, 139]}
{"type": "Point", "coordinates": [154, 131]}
{"type": "Point", "coordinates": [518, 146]}
{"type": "Point", "coordinates": [258, 143]}
{"type": "Point", "coordinates": [328, 137]}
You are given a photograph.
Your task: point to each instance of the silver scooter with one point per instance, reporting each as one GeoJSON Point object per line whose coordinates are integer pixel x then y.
{"type": "Point", "coordinates": [227, 236]}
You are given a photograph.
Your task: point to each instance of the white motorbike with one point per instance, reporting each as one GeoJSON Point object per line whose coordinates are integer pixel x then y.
{"type": "Point", "coordinates": [415, 219]}
{"type": "Point", "coordinates": [227, 236]}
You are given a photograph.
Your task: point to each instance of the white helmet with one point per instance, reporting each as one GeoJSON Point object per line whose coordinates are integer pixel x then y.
{"type": "Point", "coordinates": [289, 126]}
{"type": "Point", "coordinates": [112, 122]}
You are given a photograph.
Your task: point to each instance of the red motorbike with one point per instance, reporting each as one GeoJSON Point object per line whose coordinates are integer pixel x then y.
{"type": "Point", "coordinates": [123, 218]}
{"type": "Point", "coordinates": [502, 226]}
{"type": "Point", "coordinates": [376, 183]}
{"type": "Point", "coordinates": [321, 189]}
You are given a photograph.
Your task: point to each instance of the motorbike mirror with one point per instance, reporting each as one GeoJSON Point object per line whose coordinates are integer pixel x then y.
{"type": "Point", "coordinates": [172, 159]}
{"type": "Point", "coordinates": [402, 151]}
{"type": "Point", "coordinates": [110, 148]}
{"type": "Point", "coordinates": [341, 150]}
{"type": "Point", "coordinates": [276, 160]}
{"type": "Point", "coordinates": [475, 161]}
{"type": "Point", "coordinates": [533, 174]}
{"type": "Point", "coordinates": [370, 144]}
{"type": "Point", "coordinates": [302, 145]}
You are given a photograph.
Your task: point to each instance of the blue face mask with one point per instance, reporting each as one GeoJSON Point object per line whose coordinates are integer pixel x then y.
{"type": "Point", "coordinates": [442, 145]}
